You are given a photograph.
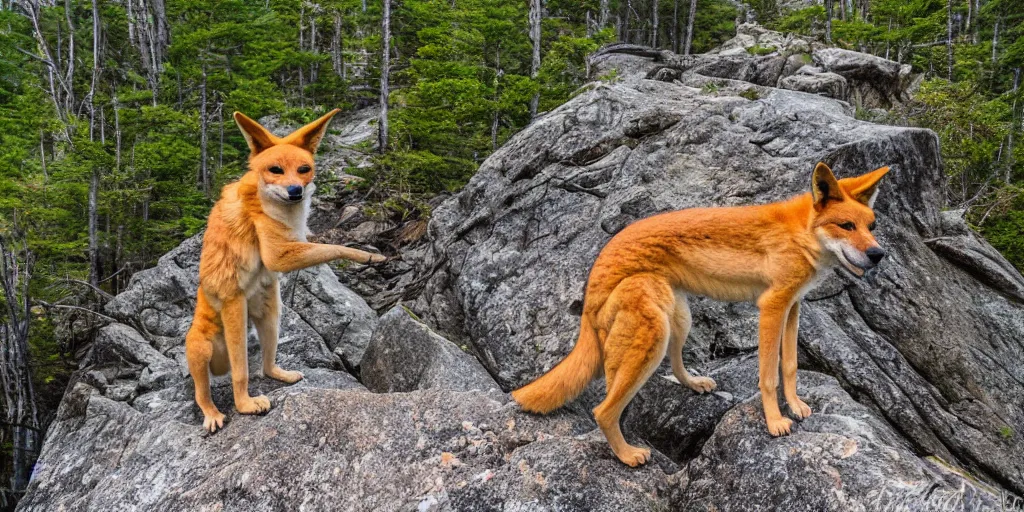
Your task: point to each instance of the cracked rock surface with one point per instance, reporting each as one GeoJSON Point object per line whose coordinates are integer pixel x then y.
{"type": "Point", "coordinates": [931, 343]}
{"type": "Point", "coordinates": [915, 373]}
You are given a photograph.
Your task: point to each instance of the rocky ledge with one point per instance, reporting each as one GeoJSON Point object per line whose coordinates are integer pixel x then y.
{"type": "Point", "coordinates": [915, 373]}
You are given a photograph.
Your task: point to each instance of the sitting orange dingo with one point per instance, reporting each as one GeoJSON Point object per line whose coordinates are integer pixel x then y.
{"type": "Point", "coordinates": [635, 306]}
{"type": "Point", "coordinates": [256, 230]}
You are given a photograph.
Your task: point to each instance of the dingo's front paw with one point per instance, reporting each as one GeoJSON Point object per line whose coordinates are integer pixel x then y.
{"type": "Point", "coordinates": [212, 422]}
{"type": "Point", "coordinates": [798, 408]}
{"type": "Point", "coordinates": [702, 384]}
{"type": "Point", "coordinates": [779, 427]}
{"type": "Point", "coordinates": [633, 456]}
{"type": "Point", "coordinates": [286, 376]}
{"type": "Point", "coordinates": [377, 258]}
{"type": "Point", "coordinates": [254, 405]}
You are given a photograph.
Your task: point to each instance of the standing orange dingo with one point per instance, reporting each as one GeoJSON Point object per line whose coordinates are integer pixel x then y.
{"type": "Point", "coordinates": [256, 230]}
{"type": "Point", "coordinates": [635, 306]}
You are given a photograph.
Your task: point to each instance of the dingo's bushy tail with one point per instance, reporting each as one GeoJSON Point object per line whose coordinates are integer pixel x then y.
{"type": "Point", "coordinates": [567, 379]}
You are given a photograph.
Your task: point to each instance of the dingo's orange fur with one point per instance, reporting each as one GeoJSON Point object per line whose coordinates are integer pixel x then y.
{"type": "Point", "coordinates": [255, 231]}
{"type": "Point", "coordinates": [635, 305]}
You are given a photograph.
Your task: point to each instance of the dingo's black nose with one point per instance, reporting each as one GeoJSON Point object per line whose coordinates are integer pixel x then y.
{"type": "Point", "coordinates": [294, 191]}
{"type": "Point", "coordinates": [875, 254]}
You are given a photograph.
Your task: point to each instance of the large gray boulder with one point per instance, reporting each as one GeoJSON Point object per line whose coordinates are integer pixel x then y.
{"type": "Point", "coordinates": [874, 81]}
{"type": "Point", "coordinates": [405, 355]}
{"type": "Point", "coordinates": [765, 58]}
{"type": "Point", "coordinates": [845, 457]}
{"type": "Point", "coordinates": [338, 450]}
{"type": "Point", "coordinates": [914, 373]}
{"type": "Point", "coordinates": [337, 314]}
{"type": "Point", "coordinates": [923, 342]}
{"type": "Point", "coordinates": [812, 80]}
{"type": "Point", "coordinates": [333, 324]}
{"type": "Point", "coordinates": [325, 328]}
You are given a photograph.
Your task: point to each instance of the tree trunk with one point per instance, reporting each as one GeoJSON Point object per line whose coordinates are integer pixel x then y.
{"type": "Point", "coordinates": [970, 11]}
{"type": "Point", "coordinates": [95, 67]}
{"type": "Point", "coordinates": [69, 76]}
{"type": "Point", "coordinates": [689, 26]}
{"type": "Point", "coordinates": [42, 157]}
{"type": "Point", "coordinates": [625, 24]}
{"type": "Point", "coordinates": [117, 134]}
{"type": "Point", "coordinates": [204, 178]}
{"type": "Point", "coordinates": [220, 123]}
{"type": "Point", "coordinates": [1013, 128]}
{"type": "Point", "coordinates": [385, 69]}
{"type": "Point", "coordinates": [675, 26]}
{"type": "Point", "coordinates": [19, 402]}
{"type": "Point", "coordinates": [977, 13]}
{"type": "Point", "coordinates": [312, 46]}
{"type": "Point", "coordinates": [842, 10]}
{"type": "Point", "coordinates": [602, 20]}
{"type": "Point", "coordinates": [163, 34]}
{"type": "Point", "coordinates": [828, 21]}
{"type": "Point", "coordinates": [94, 254]}
{"type": "Point", "coordinates": [995, 41]}
{"type": "Point", "coordinates": [302, 46]}
{"type": "Point", "coordinates": [949, 40]}
{"type": "Point", "coordinates": [535, 19]}
{"type": "Point", "coordinates": [336, 60]}
{"type": "Point", "coordinates": [654, 23]}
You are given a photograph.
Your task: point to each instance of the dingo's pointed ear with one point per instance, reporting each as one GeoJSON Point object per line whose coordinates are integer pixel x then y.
{"type": "Point", "coordinates": [308, 137]}
{"type": "Point", "coordinates": [255, 134]}
{"type": "Point", "coordinates": [864, 188]}
{"type": "Point", "coordinates": [824, 186]}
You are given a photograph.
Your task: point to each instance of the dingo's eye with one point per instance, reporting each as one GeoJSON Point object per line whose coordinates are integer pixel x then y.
{"type": "Point", "coordinates": [849, 226]}
{"type": "Point", "coordinates": [276, 170]}
{"type": "Point", "coordinates": [871, 227]}
{"type": "Point", "coordinates": [304, 169]}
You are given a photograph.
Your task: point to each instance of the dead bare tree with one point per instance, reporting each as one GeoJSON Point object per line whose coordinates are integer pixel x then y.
{"type": "Point", "coordinates": [689, 26]}
{"type": "Point", "coordinates": [204, 172]}
{"type": "Point", "coordinates": [535, 19]}
{"type": "Point", "coordinates": [22, 428]}
{"type": "Point", "coordinates": [94, 178]}
{"type": "Point", "coordinates": [336, 42]}
{"type": "Point", "coordinates": [949, 40]}
{"type": "Point", "coordinates": [828, 21]}
{"type": "Point", "coordinates": [385, 68]}
{"type": "Point", "coordinates": [654, 23]}
{"type": "Point", "coordinates": [675, 26]}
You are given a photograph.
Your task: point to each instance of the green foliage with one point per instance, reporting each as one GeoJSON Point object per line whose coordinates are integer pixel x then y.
{"type": "Point", "coordinates": [715, 23]}
{"type": "Point", "coordinates": [750, 94]}
{"type": "Point", "coordinates": [804, 21]}
{"type": "Point", "coordinates": [761, 50]}
{"type": "Point", "coordinates": [1004, 233]}
{"type": "Point", "coordinates": [971, 127]}
{"type": "Point", "coordinates": [767, 10]}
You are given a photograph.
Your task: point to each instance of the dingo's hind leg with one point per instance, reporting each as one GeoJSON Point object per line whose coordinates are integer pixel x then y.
{"type": "Point", "coordinates": [266, 315]}
{"type": "Point", "coordinates": [634, 347]}
{"type": "Point", "coordinates": [681, 322]}
{"type": "Point", "coordinates": [199, 348]}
